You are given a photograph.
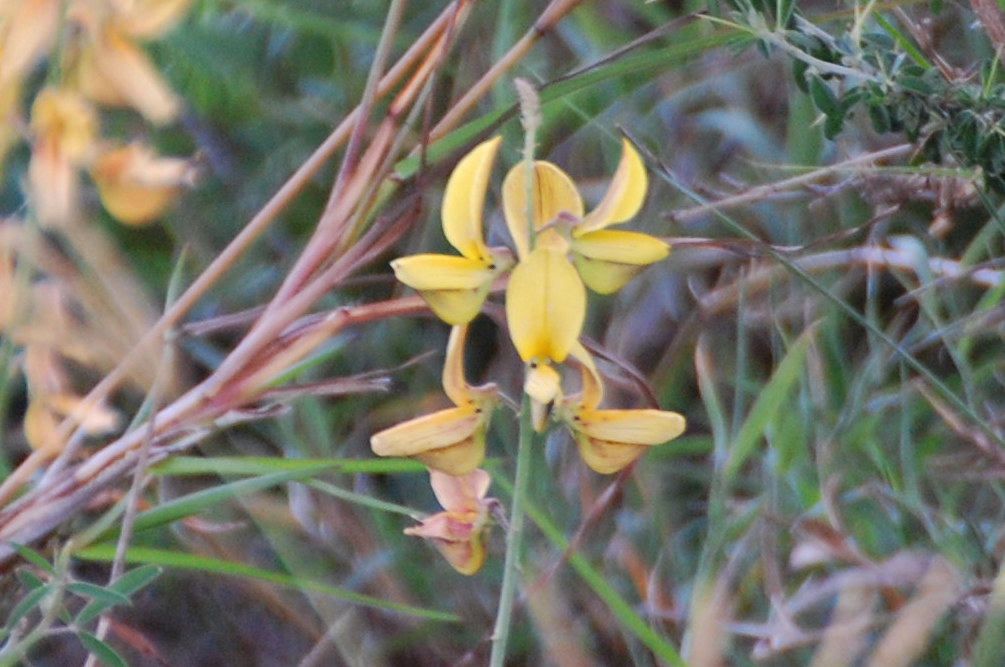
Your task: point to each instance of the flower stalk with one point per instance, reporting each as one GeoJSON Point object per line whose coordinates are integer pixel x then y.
{"type": "Point", "coordinates": [514, 537]}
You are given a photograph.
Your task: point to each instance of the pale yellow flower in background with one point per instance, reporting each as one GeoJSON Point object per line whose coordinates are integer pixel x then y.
{"type": "Point", "coordinates": [456, 287]}
{"type": "Point", "coordinates": [609, 440]}
{"type": "Point", "coordinates": [459, 531]}
{"type": "Point", "coordinates": [113, 71]}
{"type": "Point", "coordinates": [28, 31]}
{"type": "Point", "coordinates": [64, 129]}
{"type": "Point", "coordinates": [111, 68]}
{"type": "Point", "coordinates": [135, 184]}
{"type": "Point", "coordinates": [451, 440]}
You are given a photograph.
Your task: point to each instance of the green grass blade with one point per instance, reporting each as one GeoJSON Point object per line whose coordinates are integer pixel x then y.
{"type": "Point", "coordinates": [106, 552]}
{"type": "Point", "coordinates": [773, 398]}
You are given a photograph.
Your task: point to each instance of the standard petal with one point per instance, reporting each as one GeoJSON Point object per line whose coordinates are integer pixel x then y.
{"type": "Point", "coordinates": [545, 306]}
{"type": "Point", "coordinates": [451, 440]}
{"type": "Point", "coordinates": [638, 427]}
{"type": "Point", "coordinates": [464, 200]}
{"type": "Point", "coordinates": [607, 259]}
{"type": "Point", "coordinates": [454, 287]}
{"type": "Point", "coordinates": [553, 193]}
{"type": "Point", "coordinates": [625, 195]}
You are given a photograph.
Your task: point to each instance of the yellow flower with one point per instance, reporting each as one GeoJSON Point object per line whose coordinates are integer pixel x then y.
{"type": "Point", "coordinates": [451, 440]}
{"type": "Point", "coordinates": [459, 531]}
{"type": "Point", "coordinates": [456, 287]}
{"type": "Point", "coordinates": [605, 259]}
{"type": "Point", "coordinates": [137, 186]}
{"type": "Point", "coordinates": [609, 440]}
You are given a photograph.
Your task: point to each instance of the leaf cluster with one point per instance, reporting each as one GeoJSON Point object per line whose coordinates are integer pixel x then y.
{"type": "Point", "coordinates": [954, 117]}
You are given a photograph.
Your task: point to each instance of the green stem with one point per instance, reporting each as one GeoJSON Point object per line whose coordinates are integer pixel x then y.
{"type": "Point", "coordinates": [514, 538]}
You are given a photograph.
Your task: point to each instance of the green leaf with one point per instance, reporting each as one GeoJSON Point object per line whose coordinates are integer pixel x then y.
{"type": "Point", "coordinates": [34, 557]}
{"type": "Point", "coordinates": [29, 602]}
{"type": "Point", "coordinates": [167, 558]}
{"type": "Point", "coordinates": [126, 585]}
{"type": "Point", "coordinates": [95, 592]}
{"type": "Point", "coordinates": [30, 579]}
{"type": "Point", "coordinates": [136, 579]}
{"type": "Point", "coordinates": [822, 95]}
{"type": "Point", "coordinates": [102, 651]}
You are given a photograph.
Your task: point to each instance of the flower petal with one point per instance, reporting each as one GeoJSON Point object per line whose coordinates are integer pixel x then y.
{"type": "Point", "coordinates": [593, 388]}
{"type": "Point", "coordinates": [464, 200]}
{"type": "Point", "coordinates": [608, 259]}
{"type": "Point", "coordinates": [544, 385]}
{"type": "Point", "coordinates": [625, 195]}
{"type": "Point", "coordinates": [451, 440]}
{"type": "Point", "coordinates": [545, 306]}
{"type": "Point", "coordinates": [553, 193]}
{"type": "Point", "coordinates": [607, 457]}
{"type": "Point", "coordinates": [454, 287]}
{"type": "Point", "coordinates": [639, 427]}
{"type": "Point", "coordinates": [460, 493]}
{"type": "Point", "coordinates": [461, 543]}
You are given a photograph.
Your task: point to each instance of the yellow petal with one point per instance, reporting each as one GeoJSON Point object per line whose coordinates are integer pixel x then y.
{"type": "Point", "coordinates": [608, 259]}
{"type": "Point", "coordinates": [625, 195]}
{"type": "Point", "coordinates": [460, 493]}
{"type": "Point", "coordinates": [451, 440]}
{"type": "Point", "coordinates": [454, 287]}
{"type": "Point", "coordinates": [464, 200]}
{"type": "Point", "coordinates": [637, 427]}
{"type": "Point", "coordinates": [607, 457]}
{"type": "Point", "coordinates": [544, 385]}
{"type": "Point", "coordinates": [454, 383]}
{"type": "Point", "coordinates": [545, 306]}
{"type": "Point", "coordinates": [592, 391]}
{"type": "Point", "coordinates": [553, 193]}
{"type": "Point", "coordinates": [461, 543]}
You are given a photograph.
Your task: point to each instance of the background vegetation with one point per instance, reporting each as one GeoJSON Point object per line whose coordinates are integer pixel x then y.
{"type": "Point", "coordinates": [829, 321]}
